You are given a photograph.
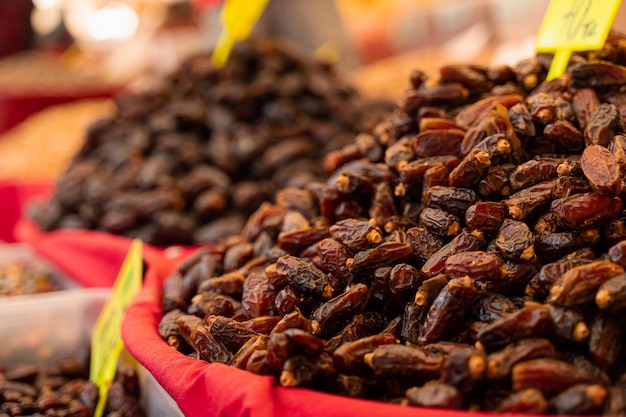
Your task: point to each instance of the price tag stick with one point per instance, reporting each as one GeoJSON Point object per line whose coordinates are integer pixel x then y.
{"type": "Point", "coordinates": [107, 344]}
{"type": "Point", "coordinates": [559, 63]}
{"type": "Point", "coordinates": [574, 25]}
{"type": "Point", "coordinates": [238, 17]}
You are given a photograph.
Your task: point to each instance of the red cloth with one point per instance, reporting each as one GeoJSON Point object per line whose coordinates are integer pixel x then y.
{"type": "Point", "coordinates": [205, 4]}
{"type": "Point", "coordinates": [14, 200]}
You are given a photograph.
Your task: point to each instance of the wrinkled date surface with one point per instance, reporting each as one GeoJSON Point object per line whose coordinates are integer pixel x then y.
{"type": "Point", "coordinates": [188, 161]}
{"type": "Point", "coordinates": [490, 277]}
{"type": "Point", "coordinates": [64, 389]}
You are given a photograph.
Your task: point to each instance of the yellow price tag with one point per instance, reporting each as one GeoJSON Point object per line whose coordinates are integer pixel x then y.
{"type": "Point", "coordinates": [106, 343]}
{"type": "Point", "coordinates": [574, 25]}
{"type": "Point", "coordinates": [238, 18]}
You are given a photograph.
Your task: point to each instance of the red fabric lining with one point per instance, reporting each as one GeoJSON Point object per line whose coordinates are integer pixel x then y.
{"type": "Point", "coordinates": [14, 200]}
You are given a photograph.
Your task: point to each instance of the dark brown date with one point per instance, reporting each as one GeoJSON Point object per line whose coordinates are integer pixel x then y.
{"type": "Point", "coordinates": [515, 240]}
{"type": "Point", "coordinates": [585, 102]}
{"type": "Point", "coordinates": [579, 399]}
{"type": "Point", "coordinates": [526, 401]}
{"type": "Point", "coordinates": [500, 363]}
{"type": "Point", "coordinates": [352, 301]}
{"type": "Point", "coordinates": [468, 116]}
{"type": "Point", "coordinates": [533, 172]}
{"type": "Point", "coordinates": [606, 340]}
{"type": "Point", "coordinates": [584, 210]}
{"type": "Point", "coordinates": [530, 321]}
{"type": "Point", "coordinates": [387, 253]}
{"type": "Point", "coordinates": [356, 234]}
{"type": "Point", "coordinates": [486, 216]}
{"type": "Point", "coordinates": [301, 274]}
{"type": "Point", "coordinates": [437, 142]}
{"type": "Point", "coordinates": [478, 265]}
{"type": "Point", "coordinates": [490, 151]}
{"type": "Point", "coordinates": [596, 74]}
{"type": "Point", "coordinates": [258, 296]}
{"type": "Point", "coordinates": [579, 285]}
{"type": "Point", "coordinates": [424, 243]}
{"type": "Point", "coordinates": [348, 357]}
{"type": "Point", "coordinates": [433, 95]}
{"type": "Point", "coordinates": [552, 246]}
{"type": "Point", "coordinates": [395, 360]}
{"type": "Point", "coordinates": [530, 201]}
{"type": "Point", "coordinates": [436, 395]}
{"type": "Point", "coordinates": [541, 283]}
{"type": "Point", "coordinates": [602, 125]}
{"type": "Point", "coordinates": [440, 222]}
{"type": "Point", "coordinates": [447, 309]}
{"type": "Point", "coordinates": [465, 241]}
{"type": "Point", "coordinates": [569, 324]}
{"type": "Point", "coordinates": [611, 295]}
{"type": "Point", "coordinates": [601, 169]}
{"type": "Point", "coordinates": [465, 369]}
{"type": "Point", "coordinates": [550, 376]}
{"type": "Point", "coordinates": [451, 199]}
{"type": "Point", "coordinates": [565, 136]}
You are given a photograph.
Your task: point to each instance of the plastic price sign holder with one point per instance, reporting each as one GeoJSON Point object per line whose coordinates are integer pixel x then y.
{"type": "Point", "coordinates": [238, 18]}
{"type": "Point", "coordinates": [574, 25]}
{"type": "Point", "coordinates": [107, 344]}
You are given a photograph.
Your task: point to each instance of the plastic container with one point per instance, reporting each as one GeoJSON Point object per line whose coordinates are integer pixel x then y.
{"type": "Point", "coordinates": [44, 328]}
{"type": "Point", "coordinates": [23, 253]}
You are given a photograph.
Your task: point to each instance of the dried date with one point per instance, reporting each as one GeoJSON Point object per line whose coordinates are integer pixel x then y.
{"type": "Point", "coordinates": [579, 285]}
{"type": "Point", "coordinates": [601, 169]}
{"type": "Point", "coordinates": [584, 210]}
{"type": "Point", "coordinates": [435, 395]}
{"type": "Point", "coordinates": [550, 376]}
{"type": "Point", "coordinates": [447, 309]}
{"type": "Point", "coordinates": [395, 360]}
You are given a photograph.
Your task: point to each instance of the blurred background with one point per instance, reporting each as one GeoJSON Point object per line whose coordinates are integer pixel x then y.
{"type": "Point", "coordinates": [54, 51]}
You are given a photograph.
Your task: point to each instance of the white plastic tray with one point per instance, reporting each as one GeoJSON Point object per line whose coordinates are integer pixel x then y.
{"type": "Point", "coordinates": [44, 328]}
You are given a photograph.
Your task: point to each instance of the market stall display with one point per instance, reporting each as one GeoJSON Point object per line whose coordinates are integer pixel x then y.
{"type": "Point", "coordinates": [468, 253]}
{"type": "Point", "coordinates": [186, 163]}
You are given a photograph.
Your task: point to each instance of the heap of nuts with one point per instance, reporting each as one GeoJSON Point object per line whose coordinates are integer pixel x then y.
{"type": "Point", "coordinates": [189, 161]}
{"type": "Point", "coordinates": [64, 389]}
{"type": "Point", "coordinates": [469, 253]}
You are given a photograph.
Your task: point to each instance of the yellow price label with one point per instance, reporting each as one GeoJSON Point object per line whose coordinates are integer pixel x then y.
{"type": "Point", "coordinates": [238, 17]}
{"type": "Point", "coordinates": [574, 25]}
{"type": "Point", "coordinates": [106, 343]}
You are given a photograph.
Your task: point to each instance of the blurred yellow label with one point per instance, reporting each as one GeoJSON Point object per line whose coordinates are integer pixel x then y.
{"type": "Point", "coordinates": [328, 52]}
{"type": "Point", "coordinates": [574, 25]}
{"type": "Point", "coordinates": [238, 17]}
{"type": "Point", "coordinates": [106, 342]}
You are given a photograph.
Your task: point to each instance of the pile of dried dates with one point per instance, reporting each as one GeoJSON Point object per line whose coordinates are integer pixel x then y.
{"type": "Point", "coordinates": [65, 390]}
{"type": "Point", "coordinates": [189, 161]}
{"type": "Point", "coordinates": [467, 253]}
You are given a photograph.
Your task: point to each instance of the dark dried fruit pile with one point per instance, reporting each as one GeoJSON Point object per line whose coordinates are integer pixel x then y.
{"type": "Point", "coordinates": [65, 390]}
{"type": "Point", "coordinates": [469, 253]}
{"type": "Point", "coordinates": [188, 162]}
